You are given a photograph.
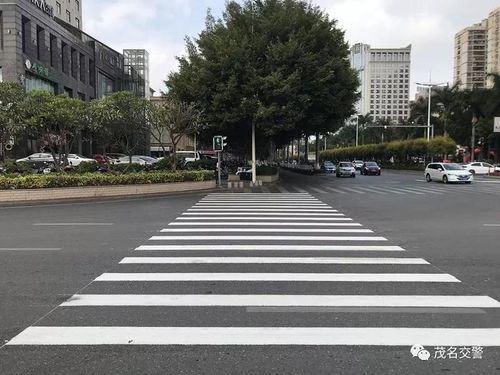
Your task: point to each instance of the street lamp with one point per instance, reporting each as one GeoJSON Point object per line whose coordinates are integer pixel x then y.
{"type": "Point", "coordinates": [430, 86]}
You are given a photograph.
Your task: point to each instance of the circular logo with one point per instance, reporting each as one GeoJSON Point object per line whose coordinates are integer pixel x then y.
{"type": "Point", "coordinates": [28, 64]}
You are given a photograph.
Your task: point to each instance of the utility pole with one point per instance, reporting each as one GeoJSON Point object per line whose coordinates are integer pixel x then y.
{"type": "Point", "coordinates": [254, 157]}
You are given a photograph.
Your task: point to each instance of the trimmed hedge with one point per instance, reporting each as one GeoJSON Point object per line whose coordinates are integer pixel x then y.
{"type": "Point", "coordinates": [402, 151]}
{"type": "Point", "coordinates": [267, 170]}
{"type": "Point", "coordinates": [101, 179]}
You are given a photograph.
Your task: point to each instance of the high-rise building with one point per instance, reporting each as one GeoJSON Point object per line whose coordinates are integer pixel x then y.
{"type": "Point", "coordinates": [477, 52]}
{"type": "Point", "coordinates": [385, 81]}
{"type": "Point", "coordinates": [471, 47]}
{"type": "Point", "coordinates": [136, 65]}
{"type": "Point", "coordinates": [493, 44]}
{"type": "Point", "coordinates": [70, 11]}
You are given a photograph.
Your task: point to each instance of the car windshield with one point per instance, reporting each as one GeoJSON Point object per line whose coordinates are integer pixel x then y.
{"type": "Point", "coordinates": [345, 165]}
{"type": "Point", "coordinates": [452, 167]}
{"type": "Point", "coordinates": [371, 164]}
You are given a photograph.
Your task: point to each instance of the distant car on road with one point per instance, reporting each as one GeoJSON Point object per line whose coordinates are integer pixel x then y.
{"type": "Point", "coordinates": [100, 159]}
{"type": "Point", "coordinates": [345, 169]}
{"type": "Point", "coordinates": [358, 164]}
{"type": "Point", "coordinates": [189, 156]}
{"type": "Point", "coordinates": [39, 160]}
{"type": "Point", "coordinates": [447, 172]}
{"type": "Point", "coordinates": [138, 159]}
{"type": "Point", "coordinates": [75, 160]}
{"type": "Point", "coordinates": [370, 167]}
{"type": "Point", "coordinates": [114, 157]}
{"type": "Point", "coordinates": [329, 167]}
{"type": "Point", "coordinates": [479, 168]}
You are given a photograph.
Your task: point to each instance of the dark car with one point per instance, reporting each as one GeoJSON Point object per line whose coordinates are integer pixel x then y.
{"type": "Point", "coordinates": [370, 168]}
{"type": "Point", "coordinates": [100, 159]}
{"type": "Point", "coordinates": [329, 167]}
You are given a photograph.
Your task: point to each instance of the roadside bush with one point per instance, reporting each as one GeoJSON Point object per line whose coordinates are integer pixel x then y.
{"type": "Point", "coordinates": [101, 179]}
{"type": "Point", "coordinates": [10, 166]}
{"type": "Point", "coordinates": [87, 167]}
{"type": "Point", "coordinates": [165, 164]}
{"type": "Point", "coordinates": [203, 164]}
{"type": "Point", "coordinates": [128, 168]}
{"type": "Point", "coordinates": [266, 170]}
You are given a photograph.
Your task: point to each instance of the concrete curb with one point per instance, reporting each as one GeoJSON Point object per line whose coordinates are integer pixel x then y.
{"type": "Point", "coordinates": [34, 195]}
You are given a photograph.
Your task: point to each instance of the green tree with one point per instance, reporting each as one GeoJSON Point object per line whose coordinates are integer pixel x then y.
{"type": "Point", "coordinates": [281, 65]}
{"type": "Point", "coordinates": [55, 121]}
{"type": "Point", "coordinates": [11, 111]}
{"type": "Point", "coordinates": [176, 119]}
{"type": "Point", "coordinates": [120, 120]}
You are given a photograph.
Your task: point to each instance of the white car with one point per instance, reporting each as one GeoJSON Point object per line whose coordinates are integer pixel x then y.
{"type": "Point", "coordinates": [358, 164]}
{"type": "Point", "coordinates": [39, 157]}
{"type": "Point", "coordinates": [345, 169]}
{"type": "Point", "coordinates": [479, 168]}
{"type": "Point", "coordinates": [137, 159]}
{"type": "Point", "coordinates": [75, 160]}
{"type": "Point", "coordinates": [447, 172]}
{"type": "Point", "coordinates": [189, 156]}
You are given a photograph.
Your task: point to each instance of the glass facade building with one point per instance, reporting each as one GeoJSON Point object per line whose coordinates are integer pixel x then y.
{"type": "Point", "coordinates": [136, 67]}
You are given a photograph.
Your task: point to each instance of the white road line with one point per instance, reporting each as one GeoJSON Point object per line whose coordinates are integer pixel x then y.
{"type": "Point", "coordinates": [371, 189]}
{"type": "Point", "coordinates": [71, 224]}
{"type": "Point", "coordinates": [306, 277]}
{"type": "Point", "coordinates": [330, 336]}
{"type": "Point", "coordinates": [404, 190]}
{"type": "Point", "coordinates": [282, 189]}
{"type": "Point", "coordinates": [269, 260]}
{"type": "Point", "coordinates": [260, 213]}
{"type": "Point", "coordinates": [353, 190]}
{"type": "Point", "coordinates": [266, 218]}
{"type": "Point", "coordinates": [334, 190]}
{"type": "Point", "coordinates": [262, 201]}
{"type": "Point", "coordinates": [280, 300]}
{"type": "Point", "coordinates": [263, 230]}
{"type": "Point", "coordinates": [266, 238]}
{"type": "Point", "coordinates": [210, 209]}
{"type": "Point", "coordinates": [492, 225]}
{"type": "Point", "coordinates": [266, 248]}
{"type": "Point", "coordinates": [243, 224]}
{"type": "Point", "coordinates": [262, 205]}
{"type": "Point", "coordinates": [388, 190]}
{"type": "Point", "coordinates": [30, 249]}
{"type": "Point", "coordinates": [318, 190]}
{"type": "Point", "coordinates": [424, 191]}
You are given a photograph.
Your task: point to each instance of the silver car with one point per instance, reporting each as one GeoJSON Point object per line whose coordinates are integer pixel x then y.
{"type": "Point", "coordinates": [345, 169]}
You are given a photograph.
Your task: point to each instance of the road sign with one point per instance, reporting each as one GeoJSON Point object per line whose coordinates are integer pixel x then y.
{"type": "Point", "coordinates": [496, 127]}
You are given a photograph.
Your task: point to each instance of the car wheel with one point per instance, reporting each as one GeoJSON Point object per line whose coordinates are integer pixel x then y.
{"type": "Point", "coordinates": [379, 173]}
{"type": "Point", "coordinates": [445, 179]}
{"type": "Point", "coordinates": [338, 176]}
{"type": "Point", "coordinates": [353, 175]}
{"type": "Point", "coordinates": [428, 177]}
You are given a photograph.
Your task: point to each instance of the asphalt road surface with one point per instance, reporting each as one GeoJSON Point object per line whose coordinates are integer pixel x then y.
{"type": "Point", "coordinates": [315, 275]}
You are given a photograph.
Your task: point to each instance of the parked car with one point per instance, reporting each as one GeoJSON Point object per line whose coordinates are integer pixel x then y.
{"type": "Point", "coordinates": [38, 161]}
{"type": "Point", "coordinates": [345, 169]}
{"type": "Point", "coordinates": [100, 159]}
{"type": "Point", "coordinates": [370, 167]}
{"type": "Point", "coordinates": [137, 159]}
{"type": "Point", "coordinates": [329, 167]}
{"type": "Point", "coordinates": [447, 172]}
{"type": "Point", "coordinates": [113, 157]}
{"type": "Point", "coordinates": [479, 168]}
{"type": "Point", "coordinates": [189, 156]}
{"type": "Point", "coordinates": [358, 164]}
{"type": "Point", "coordinates": [75, 160]}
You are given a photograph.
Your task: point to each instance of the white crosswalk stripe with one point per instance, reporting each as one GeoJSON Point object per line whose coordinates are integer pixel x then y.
{"type": "Point", "coordinates": [259, 251]}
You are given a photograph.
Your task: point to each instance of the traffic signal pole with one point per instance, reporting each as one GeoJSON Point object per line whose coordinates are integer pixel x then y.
{"type": "Point", "coordinates": [219, 172]}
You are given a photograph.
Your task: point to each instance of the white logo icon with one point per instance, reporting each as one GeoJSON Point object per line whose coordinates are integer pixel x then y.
{"type": "Point", "coordinates": [420, 352]}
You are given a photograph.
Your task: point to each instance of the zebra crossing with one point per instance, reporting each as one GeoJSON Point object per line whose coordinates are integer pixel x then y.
{"type": "Point", "coordinates": [279, 253]}
{"type": "Point", "coordinates": [417, 190]}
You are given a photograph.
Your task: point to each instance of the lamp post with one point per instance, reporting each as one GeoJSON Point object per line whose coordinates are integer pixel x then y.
{"type": "Point", "coordinates": [430, 86]}
{"type": "Point", "coordinates": [254, 161]}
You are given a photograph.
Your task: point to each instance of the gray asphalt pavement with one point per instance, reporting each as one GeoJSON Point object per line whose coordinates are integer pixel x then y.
{"type": "Point", "coordinates": [314, 275]}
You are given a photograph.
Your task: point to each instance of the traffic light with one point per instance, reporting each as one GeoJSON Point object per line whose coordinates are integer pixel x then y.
{"type": "Point", "coordinates": [219, 143]}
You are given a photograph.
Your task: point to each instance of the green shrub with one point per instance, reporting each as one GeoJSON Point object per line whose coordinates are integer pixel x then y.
{"type": "Point", "coordinates": [128, 168]}
{"type": "Point", "coordinates": [87, 167]}
{"type": "Point", "coordinates": [101, 179]}
{"type": "Point", "coordinates": [11, 167]}
{"type": "Point", "coordinates": [165, 164]}
{"type": "Point", "coordinates": [203, 164]}
{"type": "Point", "coordinates": [266, 170]}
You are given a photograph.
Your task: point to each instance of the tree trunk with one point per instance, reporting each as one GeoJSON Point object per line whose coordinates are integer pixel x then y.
{"type": "Point", "coordinates": [174, 156]}
{"type": "Point", "coordinates": [306, 149]}
{"type": "Point", "coordinates": [473, 139]}
{"type": "Point", "coordinates": [316, 166]}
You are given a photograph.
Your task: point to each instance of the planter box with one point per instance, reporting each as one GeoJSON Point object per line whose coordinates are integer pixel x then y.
{"type": "Point", "coordinates": [233, 177]}
{"type": "Point", "coordinates": [269, 179]}
{"type": "Point", "coordinates": [31, 195]}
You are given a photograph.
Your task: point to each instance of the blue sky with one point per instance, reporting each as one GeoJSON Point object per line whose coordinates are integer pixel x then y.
{"type": "Point", "coordinates": [161, 25]}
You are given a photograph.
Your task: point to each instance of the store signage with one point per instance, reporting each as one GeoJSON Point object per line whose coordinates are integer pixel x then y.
{"type": "Point", "coordinates": [37, 68]}
{"type": "Point", "coordinates": [43, 6]}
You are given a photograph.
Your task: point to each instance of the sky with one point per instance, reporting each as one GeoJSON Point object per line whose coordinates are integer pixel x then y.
{"type": "Point", "coordinates": [160, 26]}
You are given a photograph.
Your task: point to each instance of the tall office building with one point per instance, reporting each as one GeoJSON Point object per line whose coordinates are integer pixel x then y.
{"type": "Point", "coordinates": [385, 81]}
{"type": "Point", "coordinates": [471, 46]}
{"type": "Point", "coordinates": [70, 11]}
{"type": "Point", "coordinates": [477, 52]}
{"type": "Point", "coordinates": [136, 65]}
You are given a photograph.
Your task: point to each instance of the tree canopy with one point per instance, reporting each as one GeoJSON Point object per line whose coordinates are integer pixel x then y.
{"type": "Point", "coordinates": [279, 64]}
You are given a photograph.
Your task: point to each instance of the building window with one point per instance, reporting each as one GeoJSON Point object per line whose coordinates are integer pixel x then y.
{"type": "Point", "coordinates": [53, 49]}
{"type": "Point", "coordinates": [77, 2]}
{"type": "Point", "coordinates": [74, 63]}
{"type": "Point", "coordinates": [26, 32]}
{"type": "Point", "coordinates": [40, 42]}
{"type": "Point", "coordinates": [36, 83]}
{"type": "Point", "coordinates": [77, 20]}
{"type": "Point", "coordinates": [68, 16]}
{"type": "Point", "coordinates": [83, 69]}
{"type": "Point", "coordinates": [58, 8]}
{"type": "Point", "coordinates": [64, 48]}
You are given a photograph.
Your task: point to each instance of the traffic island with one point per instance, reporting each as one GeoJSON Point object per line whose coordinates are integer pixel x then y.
{"type": "Point", "coordinates": [73, 186]}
